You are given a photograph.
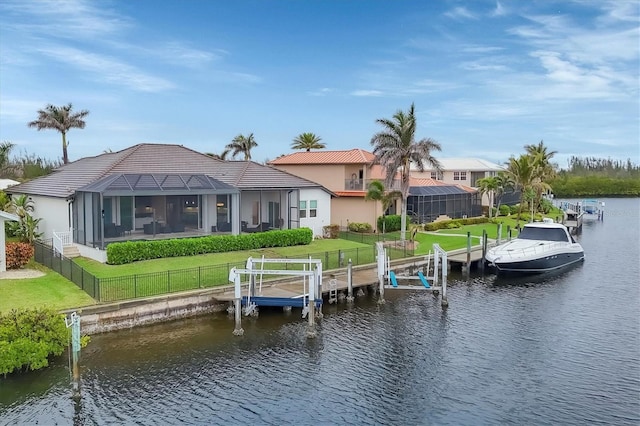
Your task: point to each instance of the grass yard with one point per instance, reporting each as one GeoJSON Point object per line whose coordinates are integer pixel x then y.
{"type": "Point", "coordinates": [51, 290]}
{"type": "Point", "coordinates": [316, 247]}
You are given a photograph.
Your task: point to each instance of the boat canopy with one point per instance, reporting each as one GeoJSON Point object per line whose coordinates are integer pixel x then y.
{"type": "Point", "coordinates": [544, 234]}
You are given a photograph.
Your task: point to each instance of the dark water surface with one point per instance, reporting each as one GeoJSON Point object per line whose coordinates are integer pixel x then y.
{"type": "Point", "coordinates": [561, 349]}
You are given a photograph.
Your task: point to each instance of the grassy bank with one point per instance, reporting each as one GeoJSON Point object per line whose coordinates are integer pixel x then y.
{"type": "Point", "coordinates": [50, 290]}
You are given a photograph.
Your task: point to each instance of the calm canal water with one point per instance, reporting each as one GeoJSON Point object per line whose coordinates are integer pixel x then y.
{"type": "Point", "coordinates": [561, 349]}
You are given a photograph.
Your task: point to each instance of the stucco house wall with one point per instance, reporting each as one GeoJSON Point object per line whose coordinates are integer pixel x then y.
{"type": "Point", "coordinates": [345, 210]}
{"type": "Point", "coordinates": [323, 210]}
{"type": "Point", "coordinates": [54, 213]}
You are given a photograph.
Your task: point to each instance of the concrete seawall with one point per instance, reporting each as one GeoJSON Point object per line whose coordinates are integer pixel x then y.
{"type": "Point", "coordinates": [135, 313]}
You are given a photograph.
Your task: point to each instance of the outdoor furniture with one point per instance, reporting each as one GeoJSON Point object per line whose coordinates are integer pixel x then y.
{"type": "Point", "coordinates": [264, 226]}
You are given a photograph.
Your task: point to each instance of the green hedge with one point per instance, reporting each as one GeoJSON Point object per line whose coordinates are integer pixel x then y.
{"type": "Point", "coordinates": [392, 223]}
{"type": "Point", "coordinates": [454, 223]}
{"type": "Point", "coordinates": [132, 251]}
{"type": "Point", "coordinates": [360, 227]}
{"type": "Point", "coordinates": [28, 337]}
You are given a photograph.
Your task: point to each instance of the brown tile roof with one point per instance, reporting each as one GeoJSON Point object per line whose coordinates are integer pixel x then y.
{"type": "Point", "coordinates": [162, 159]}
{"type": "Point", "coordinates": [350, 193]}
{"type": "Point", "coordinates": [351, 156]}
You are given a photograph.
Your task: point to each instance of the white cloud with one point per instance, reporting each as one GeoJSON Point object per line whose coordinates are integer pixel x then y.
{"type": "Point", "coordinates": [104, 69]}
{"type": "Point", "coordinates": [374, 93]}
{"type": "Point", "coordinates": [76, 19]}
{"type": "Point", "coordinates": [460, 13]}
{"type": "Point", "coordinates": [499, 10]}
{"type": "Point", "coordinates": [324, 91]}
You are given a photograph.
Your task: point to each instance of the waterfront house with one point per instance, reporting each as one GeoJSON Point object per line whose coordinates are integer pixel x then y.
{"type": "Point", "coordinates": [151, 191]}
{"type": "Point", "coordinates": [348, 173]}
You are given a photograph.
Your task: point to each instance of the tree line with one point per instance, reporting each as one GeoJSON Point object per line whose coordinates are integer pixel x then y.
{"type": "Point", "coordinates": [591, 177]}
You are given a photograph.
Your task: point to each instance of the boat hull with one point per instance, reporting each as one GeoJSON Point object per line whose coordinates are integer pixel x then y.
{"type": "Point", "coordinates": [539, 265]}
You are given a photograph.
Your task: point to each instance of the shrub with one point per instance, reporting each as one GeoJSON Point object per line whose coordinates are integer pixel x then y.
{"type": "Point", "coordinates": [132, 251]}
{"type": "Point", "coordinates": [454, 223]}
{"type": "Point", "coordinates": [28, 337]}
{"type": "Point", "coordinates": [331, 231]}
{"type": "Point", "coordinates": [514, 209]}
{"type": "Point", "coordinates": [360, 227]}
{"type": "Point", "coordinates": [18, 254]}
{"type": "Point", "coordinates": [392, 223]}
{"type": "Point", "coordinates": [505, 210]}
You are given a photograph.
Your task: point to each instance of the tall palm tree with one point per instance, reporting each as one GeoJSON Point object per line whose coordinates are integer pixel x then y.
{"type": "Point", "coordinates": [307, 141]}
{"type": "Point", "coordinates": [61, 119]}
{"type": "Point", "coordinates": [488, 185]}
{"type": "Point", "coordinates": [542, 157]}
{"type": "Point", "coordinates": [377, 192]}
{"type": "Point", "coordinates": [242, 145]}
{"type": "Point", "coordinates": [396, 149]}
{"type": "Point", "coordinates": [523, 172]}
{"type": "Point", "coordinates": [545, 169]}
{"type": "Point", "coordinates": [503, 183]}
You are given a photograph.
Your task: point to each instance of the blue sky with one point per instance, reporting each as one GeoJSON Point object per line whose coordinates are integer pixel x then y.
{"type": "Point", "coordinates": [486, 77]}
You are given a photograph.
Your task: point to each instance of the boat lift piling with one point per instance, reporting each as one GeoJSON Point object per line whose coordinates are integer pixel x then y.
{"type": "Point", "coordinates": [312, 279]}
{"type": "Point", "coordinates": [435, 283]}
{"type": "Point", "coordinates": [350, 297]}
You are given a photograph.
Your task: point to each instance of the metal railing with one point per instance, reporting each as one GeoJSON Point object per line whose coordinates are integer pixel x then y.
{"type": "Point", "coordinates": [157, 283]}
{"type": "Point", "coordinates": [61, 239]}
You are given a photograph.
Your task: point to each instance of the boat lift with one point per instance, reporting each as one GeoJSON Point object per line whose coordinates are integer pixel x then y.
{"type": "Point", "coordinates": [309, 300]}
{"type": "Point", "coordinates": [435, 283]}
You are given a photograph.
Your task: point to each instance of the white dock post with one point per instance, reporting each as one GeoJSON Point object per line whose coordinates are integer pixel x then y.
{"type": "Point", "coordinates": [235, 277]}
{"type": "Point", "coordinates": [311, 328]}
{"type": "Point", "coordinates": [499, 236]}
{"type": "Point", "coordinates": [444, 303]}
{"type": "Point", "coordinates": [350, 281]}
{"type": "Point", "coordinates": [381, 271]}
{"type": "Point", "coordinates": [74, 324]}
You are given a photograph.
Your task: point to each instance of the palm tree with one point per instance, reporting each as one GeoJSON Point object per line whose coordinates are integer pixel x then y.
{"type": "Point", "coordinates": [542, 158]}
{"type": "Point", "coordinates": [503, 182]}
{"type": "Point", "coordinates": [241, 145]}
{"type": "Point", "coordinates": [377, 192]}
{"type": "Point", "coordinates": [488, 185]}
{"type": "Point", "coordinates": [523, 172]}
{"type": "Point", "coordinates": [62, 120]}
{"type": "Point", "coordinates": [395, 149]}
{"type": "Point", "coordinates": [307, 141]}
{"type": "Point", "coordinates": [5, 150]}
{"type": "Point", "coordinates": [222, 156]}
{"type": "Point", "coordinates": [545, 169]}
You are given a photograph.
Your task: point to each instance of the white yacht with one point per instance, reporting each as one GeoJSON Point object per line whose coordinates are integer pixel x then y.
{"type": "Point", "coordinates": [540, 247]}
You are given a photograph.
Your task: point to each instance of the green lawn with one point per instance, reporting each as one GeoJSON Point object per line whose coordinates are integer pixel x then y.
{"type": "Point", "coordinates": [49, 290]}
{"type": "Point", "coordinates": [316, 247]}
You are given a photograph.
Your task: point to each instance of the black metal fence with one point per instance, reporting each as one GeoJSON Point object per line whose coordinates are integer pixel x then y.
{"type": "Point", "coordinates": [156, 283]}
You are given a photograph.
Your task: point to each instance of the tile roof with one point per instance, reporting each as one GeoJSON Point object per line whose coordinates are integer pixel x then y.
{"type": "Point", "coordinates": [351, 156]}
{"type": "Point", "coordinates": [465, 164]}
{"type": "Point", "coordinates": [158, 159]}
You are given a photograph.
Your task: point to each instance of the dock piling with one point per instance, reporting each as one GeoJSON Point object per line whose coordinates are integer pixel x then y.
{"type": "Point", "coordinates": [350, 281]}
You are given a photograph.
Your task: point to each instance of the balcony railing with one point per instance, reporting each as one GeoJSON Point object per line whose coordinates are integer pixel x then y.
{"type": "Point", "coordinates": [363, 184]}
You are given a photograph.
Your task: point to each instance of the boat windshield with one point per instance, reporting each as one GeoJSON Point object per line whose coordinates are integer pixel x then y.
{"type": "Point", "coordinates": [546, 234]}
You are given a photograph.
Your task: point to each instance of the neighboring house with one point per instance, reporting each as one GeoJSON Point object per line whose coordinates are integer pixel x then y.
{"type": "Point", "coordinates": [345, 173]}
{"type": "Point", "coordinates": [467, 171]}
{"type": "Point", "coordinates": [348, 174]}
{"type": "Point", "coordinates": [160, 190]}
{"type": "Point", "coordinates": [464, 171]}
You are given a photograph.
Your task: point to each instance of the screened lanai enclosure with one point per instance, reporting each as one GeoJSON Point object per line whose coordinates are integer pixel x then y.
{"type": "Point", "coordinates": [130, 206]}
{"type": "Point", "coordinates": [427, 203]}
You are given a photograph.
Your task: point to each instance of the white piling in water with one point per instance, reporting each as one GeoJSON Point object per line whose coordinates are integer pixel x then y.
{"type": "Point", "coordinates": [350, 297]}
